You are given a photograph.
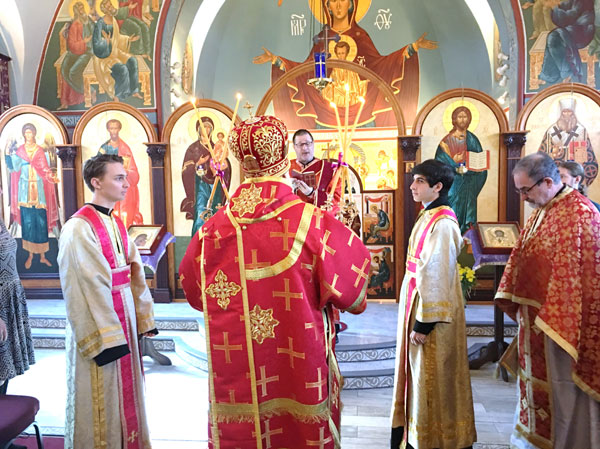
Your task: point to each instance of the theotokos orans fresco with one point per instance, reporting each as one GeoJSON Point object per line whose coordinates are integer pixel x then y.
{"type": "Point", "coordinates": [100, 50]}
{"type": "Point", "coordinates": [302, 106]}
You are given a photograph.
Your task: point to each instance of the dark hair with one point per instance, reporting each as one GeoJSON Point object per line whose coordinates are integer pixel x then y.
{"type": "Point", "coordinates": [29, 126]}
{"type": "Point", "coordinates": [302, 132]}
{"type": "Point", "coordinates": [457, 111]}
{"type": "Point", "coordinates": [575, 169]}
{"type": "Point", "coordinates": [114, 120]}
{"type": "Point", "coordinates": [436, 171]}
{"type": "Point", "coordinates": [342, 44]}
{"type": "Point", "coordinates": [95, 167]}
{"type": "Point", "coordinates": [538, 165]}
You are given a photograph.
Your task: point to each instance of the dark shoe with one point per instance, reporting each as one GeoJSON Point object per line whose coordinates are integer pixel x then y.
{"type": "Point", "coordinates": [396, 440]}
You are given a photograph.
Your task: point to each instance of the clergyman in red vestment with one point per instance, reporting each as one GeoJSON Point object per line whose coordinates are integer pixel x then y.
{"type": "Point", "coordinates": [266, 270]}
{"type": "Point", "coordinates": [551, 287]}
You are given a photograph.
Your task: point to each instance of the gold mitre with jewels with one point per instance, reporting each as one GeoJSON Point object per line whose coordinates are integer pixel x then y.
{"type": "Point", "coordinates": [260, 144]}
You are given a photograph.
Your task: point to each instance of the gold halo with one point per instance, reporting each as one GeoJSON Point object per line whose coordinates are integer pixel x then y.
{"type": "Point", "coordinates": [202, 113]}
{"type": "Point", "coordinates": [115, 3]}
{"type": "Point", "coordinates": [361, 6]}
{"type": "Point", "coordinates": [580, 108]}
{"type": "Point", "coordinates": [86, 6]}
{"type": "Point", "coordinates": [350, 41]}
{"type": "Point", "coordinates": [447, 119]}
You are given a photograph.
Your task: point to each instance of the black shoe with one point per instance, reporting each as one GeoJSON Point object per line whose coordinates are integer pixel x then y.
{"type": "Point", "coordinates": [396, 440]}
{"type": "Point", "coordinates": [16, 446]}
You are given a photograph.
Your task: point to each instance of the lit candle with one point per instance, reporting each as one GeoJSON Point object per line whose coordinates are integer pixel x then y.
{"type": "Point", "coordinates": [202, 129]}
{"type": "Point", "coordinates": [346, 114]}
{"type": "Point", "coordinates": [357, 118]}
{"type": "Point", "coordinates": [337, 117]}
{"type": "Point", "coordinates": [225, 152]}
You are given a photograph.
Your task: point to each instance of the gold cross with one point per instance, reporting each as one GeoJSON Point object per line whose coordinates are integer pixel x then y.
{"type": "Point", "coordinates": [318, 213]}
{"type": "Point", "coordinates": [287, 294]}
{"type": "Point", "coordinates": [263, 381]}
{"type": "Point", "coordinates": [290, 351]}
{"type": "Point", "coordinates": [285, 235]}
{"type": "Point", "coordinates": [352, 236]}
{"type": "Point", "coordinates": [322, 441]}
{"type": "Point", "coordinates": [132, 436]}
{"type": "Point", "coordinates": [227, 347]}
{"type": "Point", "coordinates": [326, 248]}
{"type": "Point", "coordinates": [313, 327]}
{"type": "Point", "coordinates": [318, 384]}
{"type": "Point", "coordinates": [255, 263]}
{"type": "Point", "coordinates": [360, 272]}
{"type": "Point", "coordinates": [217, 239]}
{"type": "Point", "coordinates": [331, 290]}
{"type": "Point", "coordinates": [247, 200]}
{"type": "Point", "coordinates": [268, 433]}
{"type": "Point", "coordinates": [309, 266]}
{"type": "Point", "coordinates": [249, 107]}
{"type": "Point", "coordinates": [223, 290]}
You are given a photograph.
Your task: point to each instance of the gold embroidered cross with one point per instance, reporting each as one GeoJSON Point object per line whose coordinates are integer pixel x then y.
{"type": "Point", "coordinates": [361, 273]}
{"type": "Point", "coordinates": [287, 294]}
{"type": "Point", "coordinates": [322, 440]}
{"type": "Point", "coordinates": [262, 324]}
{"type": "Point", "coordinates": [290, 352]}
{"type": "Point", "coordinates": [255, 263]}
{"type": "Point", "coordinates": [310, 266]}
{"type": "Point", "coordinates": [247, 200]}
{"type": "Point", "coordinates": [326, 248]}
{"type": "Point", "coordinates": [227, 347]}
{"type": "Point", "coordinates": [268, 433]}
{"type": "Point", "coordinates": [312, 326]}
{"type": "Point", "coordinates": [217, 239]}
{"type": "Point", "coordinates": [285, 235]}
{"type": "Point", "coordinates": [331, 290]}
{"type": "Point", "coordinates": [264, 380]}
{"type": "Point", "coordinates": [223, 290]}
{"type": "Point", "coordinates": [318, 213]}
{"type": "Point", "coordinates": [318, 384]}
{"type": "Point", "coordinates": [132, 436]}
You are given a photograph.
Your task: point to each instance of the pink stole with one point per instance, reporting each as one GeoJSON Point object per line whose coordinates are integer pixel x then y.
{"type": "Point", "coordinates": [411, 270]}
{"type": "Point", "coordinates": [121, 279]}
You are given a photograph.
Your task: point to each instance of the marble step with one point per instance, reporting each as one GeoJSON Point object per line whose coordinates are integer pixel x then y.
{"type": "Point", "coordinates": [366, 375]}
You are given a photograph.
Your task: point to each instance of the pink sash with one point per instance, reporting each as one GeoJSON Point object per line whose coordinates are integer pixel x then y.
{"type": "Point", "coordinates": [121, 279]}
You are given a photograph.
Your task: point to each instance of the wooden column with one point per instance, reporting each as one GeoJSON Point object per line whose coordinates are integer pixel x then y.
{"type": "Point", "coordinates": [157, 152]}
{"type": "Point", "coordinates": [67, 155]}
{"type": "Point", "coordinates": [406, 208]}
{"type": "Point", "coordinates": [514, 141]}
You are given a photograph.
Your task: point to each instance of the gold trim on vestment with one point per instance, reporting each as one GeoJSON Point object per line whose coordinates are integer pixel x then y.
{"type": "Point", "coordinates": [540, 442]}
{"type": "Point", "coordinates": [445, 317]}
{"type": "Point", "coordinates": [211, 380]}
{"type": "Point", "coordinates": [98, 410]}
{"type": "Point", "coordinates": [585, 387]}
{"type": "Point", "coordinates": [241, 412]}
{"type": "Point", "coordinates": [94, 335]}
{"type": "Point", "coordinates": [437, 304]}
{"type": "Point", "coordinates": [291, 258]}
{"type": "Point", "coordinates": [270, 215]}
{"type": "Point", "coordinates": [555, 336]}
{"type": "Point", "coordinates": [103, 342]}
{"type": "Point", "coordinates": [359, 300]}
{"type": "Point", "coordinates": [248, 330]}
{"type": "Point", "coordinates": [335, 433]}
{"type": "Point", "coordinates": [518, 299]}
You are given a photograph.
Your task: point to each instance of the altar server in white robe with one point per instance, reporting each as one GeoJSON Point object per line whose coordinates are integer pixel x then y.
{"type": "Point", "coordinates": [109, 308]}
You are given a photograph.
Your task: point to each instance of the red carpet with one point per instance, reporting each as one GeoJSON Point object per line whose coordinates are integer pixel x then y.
{"type": "Point", "coordinates": [49, 442]}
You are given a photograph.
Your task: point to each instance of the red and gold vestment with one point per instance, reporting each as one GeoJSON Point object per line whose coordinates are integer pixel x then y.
{"type": "Point", "coordinates": [551, 287]}
{"type": "Point", "coordinates": [265, 270]}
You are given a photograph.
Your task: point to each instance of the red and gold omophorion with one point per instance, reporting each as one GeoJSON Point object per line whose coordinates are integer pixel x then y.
{"type": "Point", "coordinates": [551, 287]}
{"type": "Point", "coordinates": [265, 270]}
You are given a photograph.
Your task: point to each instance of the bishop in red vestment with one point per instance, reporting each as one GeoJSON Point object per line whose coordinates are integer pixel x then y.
{"type": "Point", "coordinates": [551, 287]}
{"type": "Point", "coordinates": [266, 270]}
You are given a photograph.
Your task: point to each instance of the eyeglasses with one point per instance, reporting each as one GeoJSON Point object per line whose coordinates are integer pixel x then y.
{"type": "Point", "coordinates": [303, 144]}
{"type": "Point", "coordinates": [526, 190]}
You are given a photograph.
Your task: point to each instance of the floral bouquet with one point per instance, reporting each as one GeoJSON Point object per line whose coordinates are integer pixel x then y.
{"type": "Point", "coordinates": [467, 280]}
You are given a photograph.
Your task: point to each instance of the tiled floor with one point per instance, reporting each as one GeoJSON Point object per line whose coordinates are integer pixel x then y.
{"type": "Point", "coordinates": [177, 405]}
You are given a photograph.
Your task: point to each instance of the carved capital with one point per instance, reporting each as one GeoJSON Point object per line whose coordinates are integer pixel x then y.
{"type": "Point", "coordinates": [409, 146]}
{"type": "Point", "coordinates": [514, 141]}
{"type": "Point", "coordinates": [157, 152]}
{"type": "Point", "coordinates": [67, 154]}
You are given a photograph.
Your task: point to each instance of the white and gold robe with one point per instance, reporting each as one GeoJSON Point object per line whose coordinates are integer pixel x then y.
{"type": "Point", "coordinates": [94, 402]}
{"type": "Point", "coordinates": [432, 392]}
